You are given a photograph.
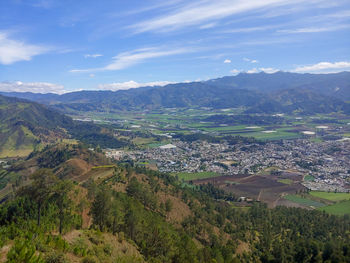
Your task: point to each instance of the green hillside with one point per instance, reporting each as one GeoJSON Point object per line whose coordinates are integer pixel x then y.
{"type": "Point", "coordinates": [26, 126]}
{"type": "Point", "coordinates": [70, 204]}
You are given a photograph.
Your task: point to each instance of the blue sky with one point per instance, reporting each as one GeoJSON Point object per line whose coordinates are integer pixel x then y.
{"type": "Point", "coordinates": [66, 45]}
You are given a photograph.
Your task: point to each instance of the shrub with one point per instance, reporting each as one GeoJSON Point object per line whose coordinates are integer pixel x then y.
{"type": "Point", "coordinates": [55, 258]}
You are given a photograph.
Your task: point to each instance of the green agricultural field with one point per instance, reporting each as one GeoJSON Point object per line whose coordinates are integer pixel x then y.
{"type": "Point", "coordinates": [195, 176]}
{"type": "Point", "coordinates": [342, 208]}
{"type": "Point", "coordinates": [285, 181]}
{"type": "Point", "coordinates": [278, 135]}
{"type": "Point", "coordinates": [303, 201]}
{"type": "Point", "coordinates": [309, 178]}
{"type": "Point", "coordinates": [331, 196]}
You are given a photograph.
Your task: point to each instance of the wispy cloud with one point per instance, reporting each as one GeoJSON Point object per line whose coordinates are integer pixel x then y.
{"type": "Point", "coordinates": [12, 51]}
{"type": "Point", "coordinates": [149, 7]}
{"type": "Point", "coordinates": [250, 60]}
{"type": "Point", "coordinates": [324, 67]}
{"type": "Point", "coordinates": [131, 85]}
{"type": "Point", "coordinates": [227, 61]}
{"type": "Point", "coordinates": [249, 29]}
{"type": "Point", "coordinates": [314, 29]}
{"type": "Point", "coordinates": [131, 58]}
{"type": "Point", "coordinates": [207, 26]}
{"type": "Point", "coordinates": [92, 55]}
{"type": "Point", "coordinates": [204, 12]}
{"type": "Point", "coordinates": [35, 87]}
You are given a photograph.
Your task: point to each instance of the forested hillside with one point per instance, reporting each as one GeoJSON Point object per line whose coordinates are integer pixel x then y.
{"type": "Point", "coordinates": [70, 204]}
{"type": "Point", "coordinates": [26, 126]}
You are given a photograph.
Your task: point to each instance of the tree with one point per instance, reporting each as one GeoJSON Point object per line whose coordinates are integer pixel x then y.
{"type": "Point", "coordinates": [61, 190]}
{"type": "Point", "coordinates": [101, 207]}
{"type": "Point", "coordinates": [168, 205]}
{"type": "Point", "coordinates": [41, 189]}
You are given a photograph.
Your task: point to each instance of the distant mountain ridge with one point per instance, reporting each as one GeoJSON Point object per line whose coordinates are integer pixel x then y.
{"type": "Point", "coordinates": [281, 91]}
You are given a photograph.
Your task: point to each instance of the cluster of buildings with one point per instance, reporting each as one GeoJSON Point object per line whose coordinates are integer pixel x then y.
{"type": "Point", "coordinates": [328, 162]}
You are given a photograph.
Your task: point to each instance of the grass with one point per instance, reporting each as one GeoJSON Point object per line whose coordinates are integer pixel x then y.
{"type": "Point", "coordinates": [303, 201]}
{"type": "Point", "coordinates": [195, 176]}
{"type": "Point", "coordinates": [285, 181]}
{"type": "Point", "coordinates": [309, 178]}
{"type": "Point", "coordinates": [158, 144]}
{"type": "Point", "coordinates": [279, 134]}
{"type": "Point", "coordinates": [342, 208]}
{"type": "Point", "coordinates": [316, 139]}
{"type": "Point", "coordinates": [331, 196]}
{"type": "Point", "coordinates": [104, 166]}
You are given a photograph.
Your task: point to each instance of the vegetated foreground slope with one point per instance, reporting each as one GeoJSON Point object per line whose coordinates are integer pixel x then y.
{"type": "Point", "coordinates": [267, 93]}
{"type": "Point", "coordinates": [76, 206]}
{"type": "Point", "coordinates": [25, 125]}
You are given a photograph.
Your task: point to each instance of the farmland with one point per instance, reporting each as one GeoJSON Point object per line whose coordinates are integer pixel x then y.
{"type": "Point", "coordinates": [195, 176]}
{"type": "Point", "coordinates": [220, 122]}
{"type": "Point", "coordinates": [340, 208]}
{"type": "Point", "coordinates": [304, 201]}
{"type": "Point", "coordinates": [331, 196]}
{"type": "Point", "coordinates": [261, 188]}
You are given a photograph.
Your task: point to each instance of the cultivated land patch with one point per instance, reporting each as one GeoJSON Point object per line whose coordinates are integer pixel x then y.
{"type": "Point", "coordinates": [285, 181]}
{"type": "Point", "coordinates": [262, 188]}
{"type": "Point", "coordinates": [195, 176]}
{"type": "Point", "coordinates": [331, 196]}
{"type": "Point", "coordinates": [303, 201]}
{"type": "Point", "coordinates": [341, 208]}
{"type": "Point", "coordinates": [309, 178]}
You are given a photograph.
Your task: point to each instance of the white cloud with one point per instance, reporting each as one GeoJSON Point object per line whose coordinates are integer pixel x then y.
{"type": "Point", "coordinates": [131, 85]}
{"type": "Point", "coordinates": [92, 55]}
{"type": "Point", "coordinates": [35, 87]}
{"type": "Point", "coordinates": [248, 29]}
{"type": "Point", "coordinates": [131, 58]}
{"type": "Point", "coordinates": [269, 70]}
{"type": "Point", "coordinates": [250, 60]}
{"type": "Point", "coordinates": [235, 71]}
{"type": "Point", "coordinates": [227, 61]}
{"type": "Point", "coordinates": [324, 67]}
{"type": "Point", "coordinates": [314, 29]}
{"type": "Point", "coordinates": [254, 70]}
{"type": "Point", "coordinates": [12, 51]}
{"type": "Point", "coordinates": [204, 12]}
{"type": "Point", "coordinates": [207, 26]}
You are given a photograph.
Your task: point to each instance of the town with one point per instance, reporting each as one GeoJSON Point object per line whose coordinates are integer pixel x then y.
{"type": "Point", "coordinates": [326, 164]}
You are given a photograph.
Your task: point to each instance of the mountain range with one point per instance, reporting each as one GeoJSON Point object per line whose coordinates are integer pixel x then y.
{"type": "Point", "coordinates": [258, 93]}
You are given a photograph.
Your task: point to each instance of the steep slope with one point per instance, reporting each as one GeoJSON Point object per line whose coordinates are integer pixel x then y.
{"type": "Point", "coordinates": [26, 125]}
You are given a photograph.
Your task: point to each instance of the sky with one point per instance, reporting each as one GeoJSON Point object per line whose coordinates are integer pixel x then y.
{"type": "Point", "coordinates": [67, 45]}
